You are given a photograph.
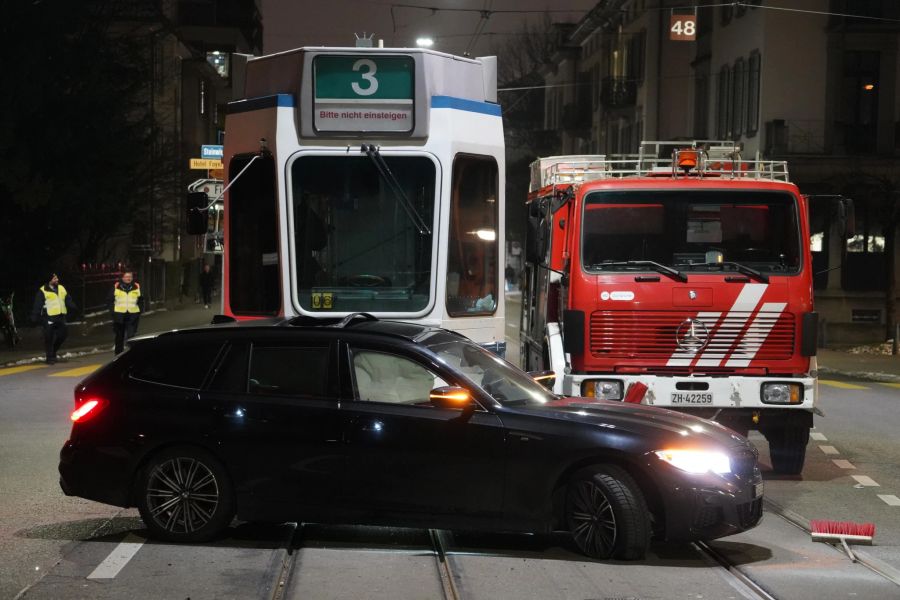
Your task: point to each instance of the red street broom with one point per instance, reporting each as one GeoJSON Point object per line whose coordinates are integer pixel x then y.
{"type": "Point", "coordinates": [843, 532]}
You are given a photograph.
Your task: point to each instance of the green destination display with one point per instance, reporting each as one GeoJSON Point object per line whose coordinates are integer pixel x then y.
{"type": "Point", "coordinates": [363, 93]}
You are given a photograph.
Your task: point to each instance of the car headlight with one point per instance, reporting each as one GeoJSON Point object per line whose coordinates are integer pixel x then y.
{"type": "Point", "coordinates": [697, 461]}
{"type": "Point", "coordinates": [781, 393]}
{"type": "Point", "coordinates": [602, 389]}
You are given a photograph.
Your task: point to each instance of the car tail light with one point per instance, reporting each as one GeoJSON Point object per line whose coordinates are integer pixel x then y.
{"type": "Point", "coordinates": [87, 410]}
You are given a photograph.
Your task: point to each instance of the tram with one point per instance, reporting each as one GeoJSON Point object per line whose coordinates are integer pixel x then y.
{"type": "Point", "coordinates": [367, 180]}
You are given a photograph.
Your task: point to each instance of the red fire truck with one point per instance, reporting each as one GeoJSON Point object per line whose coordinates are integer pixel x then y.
{"type": "Point", "coordinates": [679, 277]}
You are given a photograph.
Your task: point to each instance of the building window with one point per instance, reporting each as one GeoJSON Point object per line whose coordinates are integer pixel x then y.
{"type": "Point", "coordinates": [723, 103]}
{"type": "Point", "coordinates": [701, 103]}
{"type": "Point", "coordinates": [739, 88]}
{"type": "Point", "coordinates": [220, 61]}
{"type": "Point", "coordinates": [859, 93]}
{"type": "Point", "coordinates": [753, 94]}
{"type": "Point", "coordinates": [864, 260]}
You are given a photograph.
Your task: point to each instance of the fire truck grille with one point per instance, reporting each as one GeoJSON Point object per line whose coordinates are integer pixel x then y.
{"type": "Point", "coordinates": [651, 335]}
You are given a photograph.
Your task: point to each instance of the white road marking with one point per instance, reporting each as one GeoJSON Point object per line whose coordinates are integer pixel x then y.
{"type": "Point", "coordinates": [819, 437]}
{"type": "Point", "coordinates": [829, 449]}
{"type": "Point", "coordinates": [865, 480]}
{"type": "Point", "coordinates": [118, 558]}
{"type": "Point", "coordinates": [844, 464]}
{"type": "Point", "coordinates": [890, 499]}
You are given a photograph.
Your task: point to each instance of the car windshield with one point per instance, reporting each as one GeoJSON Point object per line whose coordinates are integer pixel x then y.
{"type": "Point", "coordinates": [507, 384]}
{"type": "Point", "coordinates": [691, 230]}
{"type": "Point", "coordinates": [362, 233]}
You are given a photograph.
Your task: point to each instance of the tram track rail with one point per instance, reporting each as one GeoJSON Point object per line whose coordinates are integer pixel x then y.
{"type": "Point", "coordinates": [287, 566]}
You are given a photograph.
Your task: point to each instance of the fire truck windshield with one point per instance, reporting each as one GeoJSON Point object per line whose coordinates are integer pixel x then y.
{"type": "Point", "coordinates": [356, 246]}
{"type": "Point", "coordinates": [752, 232]}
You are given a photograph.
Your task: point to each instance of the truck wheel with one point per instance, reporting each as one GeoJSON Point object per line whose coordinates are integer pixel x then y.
{"type": "Point", "coordinates": [787, 449]}
{"type": "Point", "coordinates": [607, 514]}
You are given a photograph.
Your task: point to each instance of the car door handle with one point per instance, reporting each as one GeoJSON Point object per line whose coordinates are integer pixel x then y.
{"type": "Point", "coordinates": [373, 426]}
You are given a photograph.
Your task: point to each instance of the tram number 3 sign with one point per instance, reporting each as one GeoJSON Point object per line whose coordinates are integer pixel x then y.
{"type": "Point", "coordinates": [683, 28]}
{"type": "Point", "coordinates": [363, 93]}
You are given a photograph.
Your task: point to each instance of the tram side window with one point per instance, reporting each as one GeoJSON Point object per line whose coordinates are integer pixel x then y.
{"type": "Point", "coordinates": [472, 269]}
{"type": "Point", "coordinates": [254, 278]}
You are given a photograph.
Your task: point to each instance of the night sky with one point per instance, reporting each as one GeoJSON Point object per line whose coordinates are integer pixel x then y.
{"type": "Point", "coordinates": [290, 24]}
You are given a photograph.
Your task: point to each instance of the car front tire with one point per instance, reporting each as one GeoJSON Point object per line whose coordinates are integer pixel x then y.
{"type": "Point", "coordinates": [185, 495]}
{"type": "Point", "coordinates": [607, 514]}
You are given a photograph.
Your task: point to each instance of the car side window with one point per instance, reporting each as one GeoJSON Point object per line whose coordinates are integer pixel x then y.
{"type": "Point", "coordinates": [183, 364]}
{"type": "Point", "coordinates": [289, 370]}
{"type": "Point", "coordinates": [231, 374]}
{"type": "Point", "coordinates": [384, 377]}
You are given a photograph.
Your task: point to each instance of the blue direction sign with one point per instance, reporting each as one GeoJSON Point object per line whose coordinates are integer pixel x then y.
{"type": "Point", "coordinates": [212, 151]}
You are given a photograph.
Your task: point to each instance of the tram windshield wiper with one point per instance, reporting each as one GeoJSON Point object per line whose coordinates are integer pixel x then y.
{"type": "Point", "coordinates": [659, 268]}
{"type": "Point", "coordinates": [373, 153]}
{"type": "Point", "coordinates": [743, 269]}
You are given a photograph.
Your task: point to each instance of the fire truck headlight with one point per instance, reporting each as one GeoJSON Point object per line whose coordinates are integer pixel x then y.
{"type": "Point", "coordinates": [781, 393]}
{"type": "Point", "coordinates": [602, 389]}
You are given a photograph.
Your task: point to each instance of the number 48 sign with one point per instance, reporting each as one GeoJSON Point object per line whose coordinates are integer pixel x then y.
{"type": "Point", "coordinates": [683, 28]}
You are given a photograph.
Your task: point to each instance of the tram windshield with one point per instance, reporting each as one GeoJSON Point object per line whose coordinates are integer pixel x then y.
{"type": "Point", "coordinates": [358, 235]}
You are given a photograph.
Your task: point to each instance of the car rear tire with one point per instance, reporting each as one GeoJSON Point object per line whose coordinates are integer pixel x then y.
{"type": "Point", "coordinates": [607, 514]}
{"type": "Point", "coordinates": [184, 495]}
{"type": "Point", "coordinates": [787, 449]}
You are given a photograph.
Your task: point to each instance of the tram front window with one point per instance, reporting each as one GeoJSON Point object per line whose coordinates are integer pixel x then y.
{"type": "Point", "coordinates": [360, 247]}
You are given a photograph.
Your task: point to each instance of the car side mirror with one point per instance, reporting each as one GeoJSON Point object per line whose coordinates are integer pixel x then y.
{"type": "Point", "coordinates": [545, 378]}
{"type": "Point", "coordinates": [197, 213]}
{"type": "Point", "coordinates": [451, 396]}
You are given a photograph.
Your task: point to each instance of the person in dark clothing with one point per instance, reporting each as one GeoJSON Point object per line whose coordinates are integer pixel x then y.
{"type": "Point", "coordinates": [125, 303]}
{"type": "Point", "coordinates": [51, 305]}
{"type": "Point", "coordinates": [207, 282]}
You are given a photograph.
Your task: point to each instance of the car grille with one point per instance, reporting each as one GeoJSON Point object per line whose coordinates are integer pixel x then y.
{"type": "Point", "coordinates": [651, 334]}
{"type": "Point", "coordinates": [707, 517]}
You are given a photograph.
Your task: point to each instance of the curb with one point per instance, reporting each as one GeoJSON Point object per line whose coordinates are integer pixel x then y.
{"type": "Point", "coordinates": [863, 375]}
{"type": "Point", "coordinates": [71, 353]}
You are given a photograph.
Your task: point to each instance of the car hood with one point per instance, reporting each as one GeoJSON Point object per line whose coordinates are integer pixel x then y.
{"type": "Point", "coordinates": [640, 419]}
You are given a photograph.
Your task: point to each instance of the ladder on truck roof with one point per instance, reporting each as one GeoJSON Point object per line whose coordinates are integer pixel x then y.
{"type": "Point", "coordinates": [698, 158]}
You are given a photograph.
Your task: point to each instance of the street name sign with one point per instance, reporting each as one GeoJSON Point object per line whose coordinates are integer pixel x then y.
{"type": "Point", "coordinates": [363, 93]}
{"type": "Point", "coordinates": [206, 163]}
{"type": "Point", "coordinates": [212, 151]}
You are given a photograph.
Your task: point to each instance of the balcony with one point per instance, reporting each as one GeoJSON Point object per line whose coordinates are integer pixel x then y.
{"type": "Point", "coordinates": [618, 92]}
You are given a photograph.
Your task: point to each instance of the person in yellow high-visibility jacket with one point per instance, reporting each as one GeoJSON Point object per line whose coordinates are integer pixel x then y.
{"type": "Point", "coordinates": [51, 305]}
{"type": "Point", "coordinates": [126, 303]}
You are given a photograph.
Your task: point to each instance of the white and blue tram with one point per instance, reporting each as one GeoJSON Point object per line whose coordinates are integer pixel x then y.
{"type": "Point", "coordinates": [367, 180]}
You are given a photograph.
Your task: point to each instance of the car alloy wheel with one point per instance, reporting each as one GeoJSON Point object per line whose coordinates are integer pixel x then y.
{"type": "Point", "coordinates": [182, 495]}
{"type": "Point", "coordinates": [607, 514]}
{"type": "Point", "coordinates": [593, 519]}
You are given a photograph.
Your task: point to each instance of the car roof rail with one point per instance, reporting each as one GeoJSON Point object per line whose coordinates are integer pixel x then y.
{"type": "Point", "coordinates": [346, 321]}
{"type": "Point", "coordinates": [310, 321]}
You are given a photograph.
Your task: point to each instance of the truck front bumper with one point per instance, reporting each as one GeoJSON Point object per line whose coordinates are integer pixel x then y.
{"type": "Point", "coordinates": [704, 395]}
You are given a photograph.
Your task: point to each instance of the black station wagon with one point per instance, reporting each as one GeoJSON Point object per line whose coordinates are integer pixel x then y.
{"type": "Point", "coordinates": [389, 423]}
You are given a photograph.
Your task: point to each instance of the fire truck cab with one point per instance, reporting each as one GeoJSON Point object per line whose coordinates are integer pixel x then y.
{"type": "Point", "coordinates": [679, 277]}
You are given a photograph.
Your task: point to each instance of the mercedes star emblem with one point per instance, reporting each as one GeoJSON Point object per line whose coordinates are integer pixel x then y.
{"type": "Point", "coordinates": [691, 336]}
{"type": "Point", "coordinates": [692, 295]}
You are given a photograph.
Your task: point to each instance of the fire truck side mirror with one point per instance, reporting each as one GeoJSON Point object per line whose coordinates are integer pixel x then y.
{"type": "Point", "coordinates": [535, 248]}
{"type": "Point", "coordinates": [197, 213]}
{"type": "Point", "coordinates": [847, 216]}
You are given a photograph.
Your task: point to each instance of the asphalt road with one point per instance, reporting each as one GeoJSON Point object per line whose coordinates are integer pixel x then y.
{"type": "Point", "coordinates": [69, 548]}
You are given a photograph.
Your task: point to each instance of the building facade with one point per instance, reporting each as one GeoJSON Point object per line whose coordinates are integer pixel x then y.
{"type": "Point", "coordinates": [819, 90]}
{"type": "Point", "coordinates": [190, 44]}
